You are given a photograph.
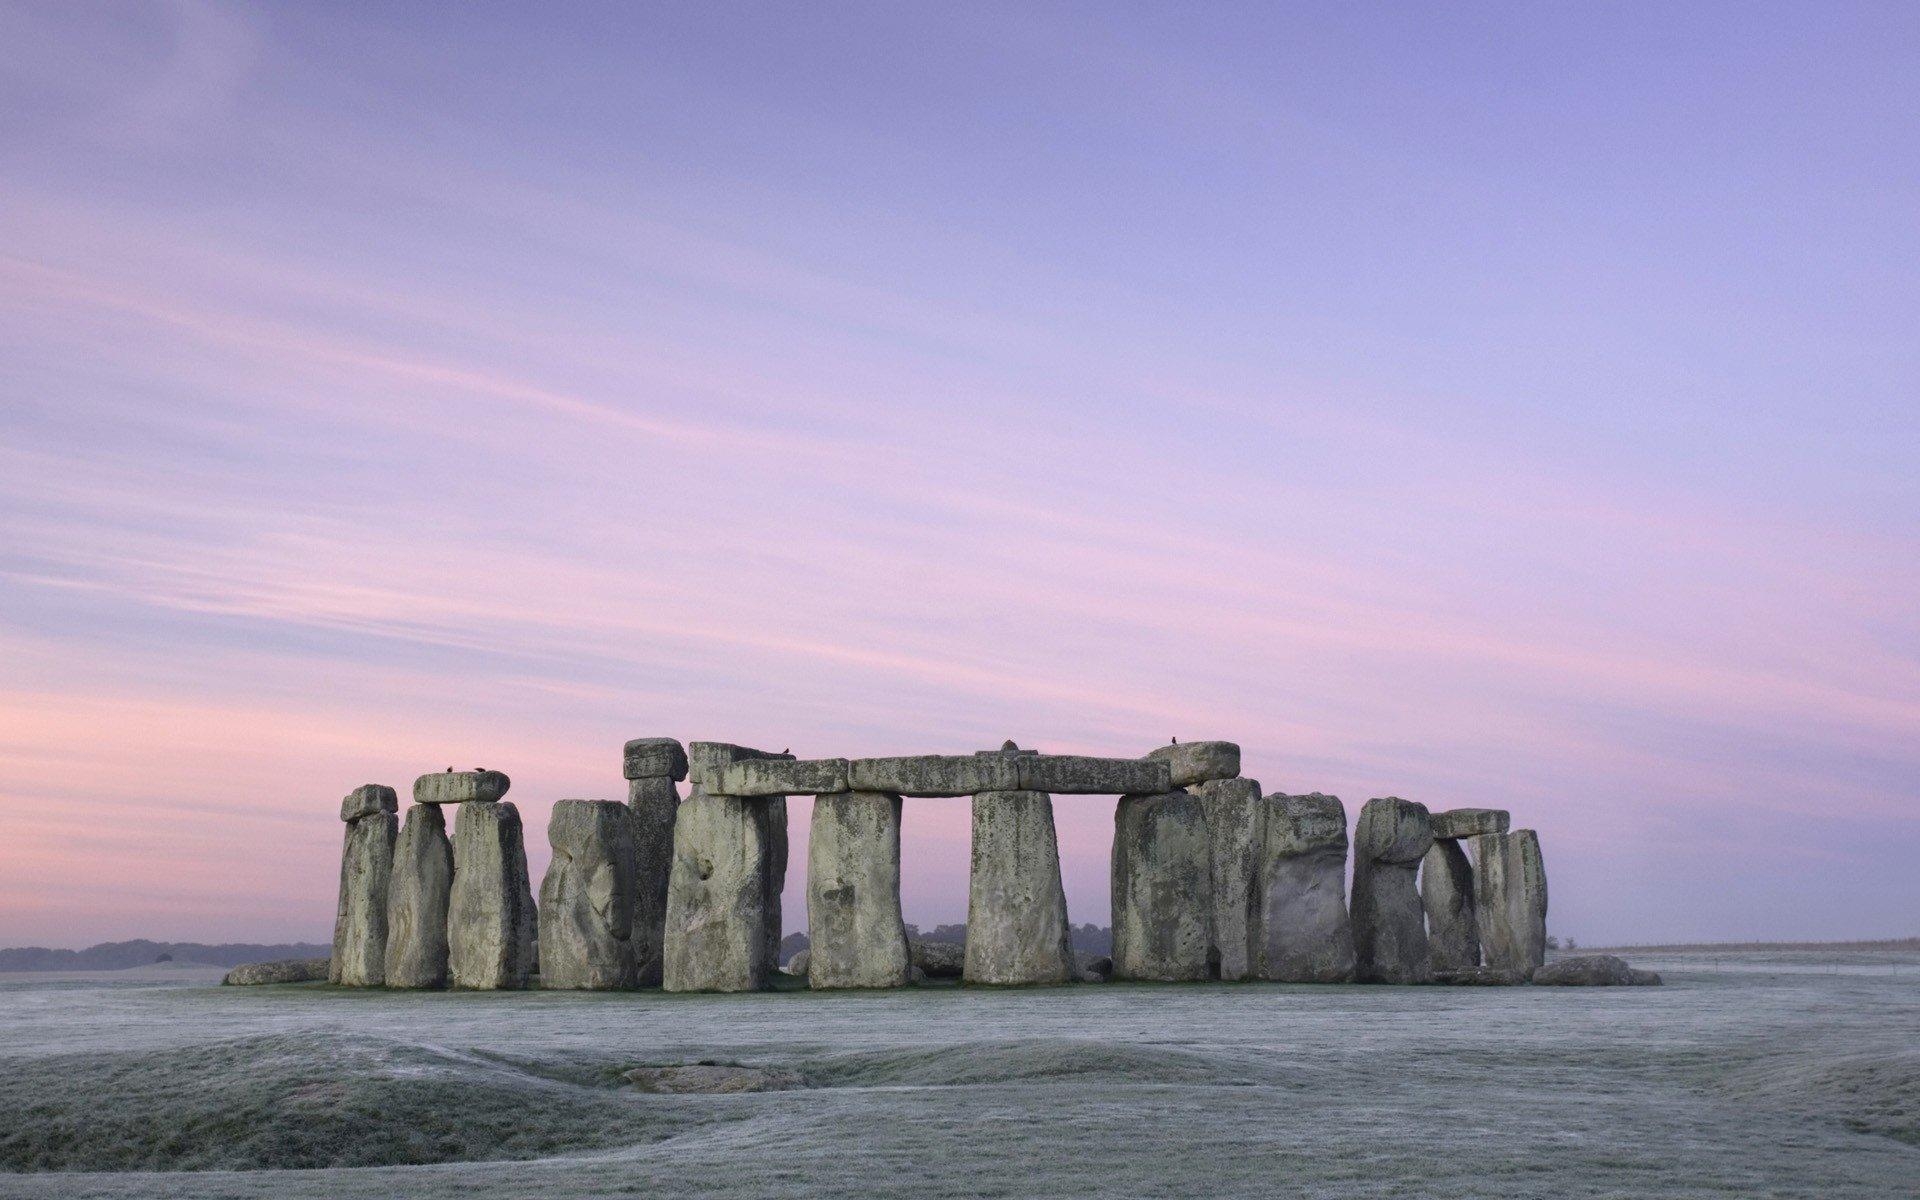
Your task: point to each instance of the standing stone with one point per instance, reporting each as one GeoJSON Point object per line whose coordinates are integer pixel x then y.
{"type": "Point", "coordinates": [1016, 909]}
{"type": "Point", "coordinates": [856, 937]}
{"type": "Point", "coordinates": [1162, 888]}
{"type": "Point", "coordinates": [490, 921]}
{"type": "Point", "coordinates": [1446, 892]}
{"type": "Point", "coordinates": [1389, 923]}
{"type": "Point", "coordinates": [721, 933]}
{"type": "Point", "coordinates": [586, 899]}
{"type": "Point", "coordinates": [652, 766]}
{"type": "Point", "coordinates": [1236, 830]}
{"type": "Point", "coordinates": [1305, 934]}
{"type": "Point", "coordinates": [366, 866]}
{"type": "Point", "coordinates": [418, 899]}
{"type": "Point", "coordinates": [1510, 900]}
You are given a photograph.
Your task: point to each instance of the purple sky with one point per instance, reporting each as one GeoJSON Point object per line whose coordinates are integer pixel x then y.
{"type": "Point", "coordinates": [1485, 405]}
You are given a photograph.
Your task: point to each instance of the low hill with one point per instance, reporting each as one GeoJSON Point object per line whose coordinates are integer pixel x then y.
{"type": "Point", "coordinates": [116, 956]}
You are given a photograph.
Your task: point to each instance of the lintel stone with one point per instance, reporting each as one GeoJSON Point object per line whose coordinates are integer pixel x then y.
{"type": "Point", "coordinates": [935, 774]}
{"type": "Point", "coordinates": [705, 761]}
{"type": "Point", "coordinates": [367, 800]}
{"type": "Point", "coordinates": [1075, 774]}
{"type": "Point", "coordinates": [1457, 823]}
{"type": "Point", "coordinates": [783, 777]}
{"type": "Point", "coordinates": [460, 787]}
{"type": "Point", "coordinates": [654, 758]}
{"type": "Point", "coordinates": [1198, 762]}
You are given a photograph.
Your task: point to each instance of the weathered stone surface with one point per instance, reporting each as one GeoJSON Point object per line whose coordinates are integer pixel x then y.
{"type": "Point", "coordinates": [1016, 909]}
{"type": "Point", "coordinates": [654, 758]}
{"type": "Point", "coordinates": [935, 774]}
{"type": "Point", "coordinates": [460, 787]}
{"type": "Point", "coordinates": [1389, 921]}
{"type": "Point", "coordinates": [1510, 900]}
{"type": "Point", "coordinates": [360, 917]}
{"type": "Point", "coordinates": [1305, 933]}
{"type": "Point", "coordinates": [798, 964]}
{"type": "Point", "coordinates": [1478, 977]}
{"type": "Point", "coordinates": [1095, 968]}
{"type": "Point", "coordinates": [586, 899]}
{"type": "Point", "coordinates": [1162, 888]}
{"type": "Point", "coordinates": [284, 970]}
{"type": "Point", "coordinates": [1073, 774]}
{"type": "Point", "coordinates": [705, 761]}
{"type": "Point", "coordinates": [1236, 832]}
{"type": "Point", "coordinates": [1456, 823]}
{"type": "Point", "coordinates": [368, 799]}
{"type": "Point", "coordinates": [856, 938]}
{"type": "Point", "coordinates": [1639, 978]}
{"type": "Point", "coordinates": [783, 777]}
{"type": "Point", "coordinates": [490, 919]}
{"type": "Point", "coordinates": [940, 960]}
{"type": "Point", "coordinates": [418, 900]}
{"type": "Point", "coordinates": [652, 802]}
{"type": "Point", "coordinates": [1196, 762]}
{"type": "Point", "coordinates": [723, 927]}
{"type": "Point", "coordinates": [1590, 970]}
{"type": "Point", "coordinates": [712, 1079]}
{"type": "Point", "coordinates": [1446, 892]}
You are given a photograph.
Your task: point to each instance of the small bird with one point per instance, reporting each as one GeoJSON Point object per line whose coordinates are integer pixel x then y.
{"type": "Point", "coordinates": [1174, 742]}
{"type": "Point", "coordinates": [788, 750]}
{"type": "Point", "coordinates": [449, 770]}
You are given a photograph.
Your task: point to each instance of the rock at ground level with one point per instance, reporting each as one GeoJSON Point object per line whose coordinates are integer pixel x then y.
{"type": "Point", "coordinates": [1446, 891]}
{"type": "Point", "coordinates": [652, 803]}
{"type": "Point", "coordinates": [1017, 930]}
{"type": "Point", "coordinates": [360, 917]}
{"type": "Point", "coordinates": [1162, 888]}
{"type": "Point", "coordinates": [1236, 835]}
{"type": "Point", "coordinates": [1189, 763]}
{"type": "Point", "coordinates": [723, 916]}
{"type": "Point", "coordinates": [285, 970]}
{"type": "Point", "coordinates": [1510, 900]}
{"type": "Point", "coordinates": [586, 899]}
{"type": "Point", "coordinates": [712, 1079]}
{"type": "Point", "coordinates": [1094, 968]}
{"type": "Point", "coordinates": [798, 964]}
{"type": "Point", "coordinates": [418, 897]}
{"type": "Point", "coordinates": [1593, 970]}
{"type": "Point", "coordinates": [490, 918]}
{"type": "Point", "coordinates": [1478, 977]}
{"type": "Point", "coordinates": [855, 935]}
{"type": "Point", "coordinates": [1304, 931]}
{"type": "Point", "coordinates": [940, 960]}
{"type": "Point", "coordinates": [1389, 921]}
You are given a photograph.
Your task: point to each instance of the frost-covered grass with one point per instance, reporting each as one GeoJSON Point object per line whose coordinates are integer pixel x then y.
{"type": "Point", "coordinates": [1766, 1079]}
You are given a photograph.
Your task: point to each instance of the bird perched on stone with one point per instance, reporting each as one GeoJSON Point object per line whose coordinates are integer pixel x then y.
{"type": "Point", "coordinates": [449, 770]}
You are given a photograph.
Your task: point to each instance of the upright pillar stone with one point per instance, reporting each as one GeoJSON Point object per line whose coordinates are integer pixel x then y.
{"type": "Point", "coordinates": [1510, 900]}
{"type": "Point", "coordinates": [586, 899]}
{"type": "Point", "coordinates": [1017, 931]}
{"type": "Point", "coordinates": [856, 937]}
{"type": "Point", "coordinates": [418, 899]}
{"type": "Point", "coordinates": [1305, 933]}
{"type": "Point", "coordinates": [1446, 892]}
{"type": "Point", "coordinates": [1162, 888]}
{"type": "Point", "coordinates": [366, 866]}
{"type": "Point", "coordinates": [729, 866]}
{"type": "Point", "coordinates": [1389, 923]}
{"type": "Point", "coordinates": [1236, 833]}
{"type": "Point", "coordinates": [653, 767]}
{"type": "Point", "coordinates": [491, 922]}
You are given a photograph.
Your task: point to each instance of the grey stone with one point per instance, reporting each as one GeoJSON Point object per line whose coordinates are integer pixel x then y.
{"type": "Point", "coordinates": [1305, 933]}
{"type": "Point", "coordinates": [654, 758]}
{"type": "Point", "coordinates": [1456, 823]}
{"type": "Point", "coordinates": [1073, 774]}
{"type": "Point", "coordinates": [1236, 832]}
{"type": "Point", "coordinates": [798, 964]}
{"type": "Point", "coordinates": [712, 1079]}
{"type": "Point", "coordinates": [783, 777]}
{"type": "Point", "coordinates": [1389, 922]}
{"type": "Point", "coordinates": [729, 853]}
{"type": "Point", "coordinates": [1639, 978]}
{"type": "Point", "coordinates": [1096, 969]}
{"type": "Point", "coordinates": [490, 920]}
{"type": "Point", "coordinates": [1446, 892]}
{"type": "Point", "coordinates": [418, 900]}
{"type": "Point", "coordinates": [586, 899]}
{"type": "Point", "coordinates": [940, 960]}
{"type": "Point", "coordinates": [705, 761]}
{"type": "Point", "coordinates": [855, 934]}
{"type": "Point", "coordinates": [368, 799]}
{"type": "Point", "coordinates": [284, 970]}
{"type": "Point", "coordinates": [1162, 888]}
{"type": "Point", "coordinates": [916, 977]}
{"type": "Point", "coordinates": [1016, 909]}
{"type": "Point", "coordinates": [652, 803]}
{"type": "Point", "coordinates": [1510, 900]}
{"type": "Point", "coordinates": [460, 787]}
{"type": "Point", "coordinates": [1588, 970]}
{"type": "Point", "coordinates": [935, 774]}
{"type": "Point", "coordinates": [1196, 762]}
{"type": "Point", "coordinates": [360, 916]}
{"type": "Point", "coordinates": [1478, 977]}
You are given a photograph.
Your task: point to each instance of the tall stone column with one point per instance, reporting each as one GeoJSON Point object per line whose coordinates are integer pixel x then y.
{"type": "Point", "coordinates": [1305, 933]}
{"type": "Point", "coordinates": [729, 867]}
{"type": "Point", "coordinates": [856, 937]}
{"type": "Point", "coordinates": [491, 922]}
{"type": "Point", "coordinates": [1017, 930]}
{"type": "Point", "coordinates": [1389, 923]}
{"type": "Point", "coordinates": [366, 866]}
{"type": "Point", "coordinates": [653, 767]}
{"type": "Point", "coordinates": [1447, 887]}
{"type": "Point", "coordinates": [418, 899]}
{"type": "Point", "coordinates": [586, 899]}
{"type": "Point", "coordinates": [1510, 900]}
{"type": "Point", "coordinates": [1162, 888]}
{"type": "Point", "coordinates": [1236, 833]}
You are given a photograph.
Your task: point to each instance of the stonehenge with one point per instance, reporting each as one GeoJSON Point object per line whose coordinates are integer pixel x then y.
{"type": "Point", "coordinates": [366, 865]}
{"type": "Point", "coordinates": [1209, 879]}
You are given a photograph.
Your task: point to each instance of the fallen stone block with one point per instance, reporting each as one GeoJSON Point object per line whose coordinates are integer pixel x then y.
{"type": "Point", "coordinates": [705, 761]}
{"type": "Point", "coordinates": [366, 870]}
{"type": "Point", "coordinates": [460, 787]}
{"type": "Point", "coordinates": [856, 937]}
{"type": "Point", "coordinates": [284, 970]}
{"type": "Point", "coordinates": [1389, 921]}
{"type": "Point", "coordinates": [1162, 888]}
{"type": "Point", "coordinates": [1592, 970]}
{"type": "Point", "coordinates": [783, 777]}
{"type": "Point", "coordinates": [1446, 892]}
{"type": "Point", "coordinates": [491, 926]}
{"type": "Point", "coordinates": [799, 963]}
{"type": "Point", "coordinates": [940, 960]}
{"type": "Point", "coordinates": [1196, 762]}
{"type": "Point", "coordinates": [586, 899]}
{"type": "Point", "coordinates": [1457, 823]}
{"type": "Point", "coordinates": [723, 919]}
{"type": "Point", "coordinates": [652, 803]}
{"type": "Point", "coordinates": [1510, 900]}
{"type": "Point", "coordinates": [1478, 977]}
{"type": "Point", "coordinates": [1236, 832]}
{"type": "Point", "coordinates": [1017, 930]}
{"type": "Point", "coordinates": [1072, 774]}
{"type": "Point", "coordinates": [654, 758]}
{"type": "Point", "coordinates": [1305, 934]}
{"type": "Point", "coordinates": [1094, 968]}
{"type": "Point", "coordinates": [418, 899]}
{"type": "Point", "coordinates": [935, 774]}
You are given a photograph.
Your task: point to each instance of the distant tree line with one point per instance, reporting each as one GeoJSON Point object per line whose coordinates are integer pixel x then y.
{"type": "Point", "coordinates": [117, 956]}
